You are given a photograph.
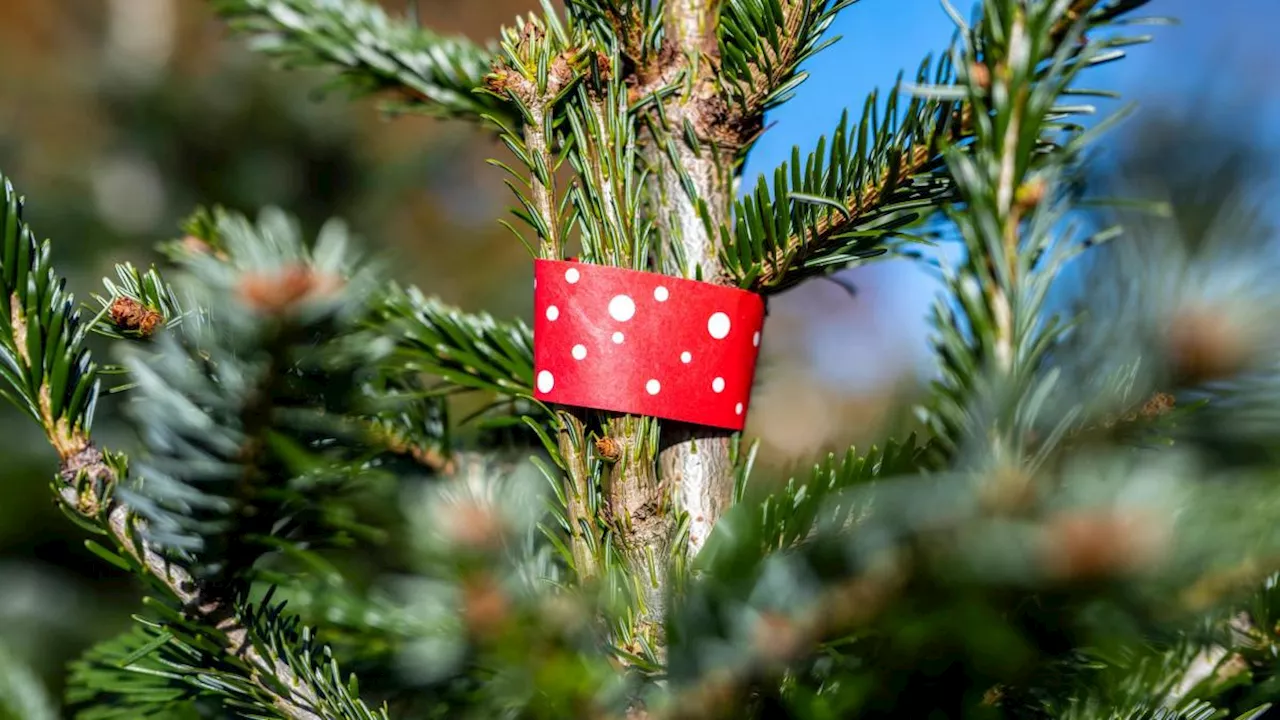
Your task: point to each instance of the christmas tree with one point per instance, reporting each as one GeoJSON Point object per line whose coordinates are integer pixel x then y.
{"type": "Point", "coordinates": [1078, 527]}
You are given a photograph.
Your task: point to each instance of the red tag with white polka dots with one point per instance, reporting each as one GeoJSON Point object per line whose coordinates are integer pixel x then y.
{"type": "Point", "coordinates": [643, 343]}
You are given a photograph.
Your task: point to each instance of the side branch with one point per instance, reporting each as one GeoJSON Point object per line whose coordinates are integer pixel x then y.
{"type": "Point", "coordinates": [777, 64]}
{"type": "Point", "coordinates": [371, 52]}
{"type": "Point", "coordinates": [866, 202]}
{"type": "Point", "coordinates": [840, 205]}
{"type": "Point", "coordinates": [465, 351]}
{"type": "Point", "coordinates": [86, 483]}
{"type": "Point", "coordinates": [763, 45]}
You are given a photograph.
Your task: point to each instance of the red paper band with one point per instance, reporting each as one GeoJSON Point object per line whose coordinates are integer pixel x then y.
{"type": "Point", "coordinates": [643, 343]}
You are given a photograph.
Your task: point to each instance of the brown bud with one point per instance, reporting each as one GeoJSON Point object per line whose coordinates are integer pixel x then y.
{"type": "Point", "coordinates": [980, 75]}
{"type": "Point", "coordinates": [604, 66]}
{"type": "Point", "coordinates": [1157, 405]}
{"type": "Point", "coordinates": [473, 525]}
{"type": "Point", "coordinates": [1030, 194]}
{"type": "Point", "coordinates": [504, 81]}
{"type": "Point", "coordinates": [196, 246]}
{"type": "Point", "coordinates": [496, 81]}
{"type": "Point", "coordinates": [485, 608]}
{"type": "Point", "coordinates": [1083, 545]}
{"type": "Point", "coordinates": [500, 79]}
{"type": "Point", "coordinates": [279, 292]}
{"type": "Point", "coordinates": [1205, 345]}
{"type": "Point", "coordinates": [530, 35]}
{"type": "Point", "coordinates": [132, 316]}
{"type": "Point", "coordinates": [1009, 490]}
{"type": "Point", "coordinates": [560, 73]}
{"type": "Point", "coordinates": [608, 449]}
{"type": "Point", "coordinates": [776, 638]}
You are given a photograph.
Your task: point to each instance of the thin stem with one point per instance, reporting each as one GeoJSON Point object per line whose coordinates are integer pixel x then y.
{"type": "Point", "coordinates": [776, 66]}
{"type": "Point", "coordinates": [571, 439]}
{"type": "Point", "coordinates": [210, 605]}
{"type": "Point", "coordinates": [578, 510]}
{"type": "Point", "coordinates": [542, 181]}
{"type": "Point", "coordinates": [1006, 190]}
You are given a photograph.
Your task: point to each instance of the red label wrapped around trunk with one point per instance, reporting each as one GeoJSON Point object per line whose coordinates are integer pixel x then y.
{"type": "Point", "coordinates": [643, 343]}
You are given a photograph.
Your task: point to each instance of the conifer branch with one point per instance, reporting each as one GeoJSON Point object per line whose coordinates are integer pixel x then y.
{"type": "Point", "coordinates": [137, 304]}
{"type": "Point", "coordinates": [841, 205]}
{"type": "Point", "coordinates": [538, 66]}
{"type": "Point", "coordinates": [371, 52]}
{"type": "Point", "coordinates": [762, 44]}
{"type": "Point", "coordinates": [1009, 177]}
{"type": "Point", "coordinates": [465, 352]}
{"type": "Point", "coordinates": [634, 24]}
{"type": "Point", "coordinates": [48, 373]}
{"type": "Point", "coordinates": [581, 501]}
{"type": "Point", "coordinates": [641, 513]}
{"type": "Point", "coordinates": [604, 151]}
{"type": "Point", "coordinates": [791, 514]}
{"type": "Point", "coordinates": [401, 441]}
{"type": "Point", "coordinates": [844, 200]}
{"type": "Point", "coordinates": [266, 367]}
{"type": "Point", "coordinates": [893, 186]}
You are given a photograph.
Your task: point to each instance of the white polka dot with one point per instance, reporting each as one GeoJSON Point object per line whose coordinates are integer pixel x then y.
{"type": "Point", "coordinates": [718, 384]}
{"type": "Point", "coordinates": [652, 387]}
{"type": "Point", "coordinates": [545, 381]}
{"type": "Point", "coordinates": [622, 308]}
{"type": "Point", "coordinates": [718, 326]}
{"type": "Point", "coordinates": [553, 312]}
{"type": "Point", "coordinates": [755, 339]}
{"type": "Point", "coordinates": [660, 294]}
{"type": "Point", "coordinates": [738, 409]}
{"type": "Point", "coordinates": [579, 352]}
{"type": "Point", "coordinates": [617, 338]}
{"type": "Point", "coordinates": [686, 357]}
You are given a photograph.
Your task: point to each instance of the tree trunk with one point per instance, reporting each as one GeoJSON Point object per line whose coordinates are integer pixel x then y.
{"type": "Point", "coordinates": [694, 461]}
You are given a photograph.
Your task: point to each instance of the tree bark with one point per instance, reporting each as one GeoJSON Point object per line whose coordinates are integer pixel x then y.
{"type": "Point", "coordinates": [641, 511]}
{"type": "Point", "coordinates": [694, 461]}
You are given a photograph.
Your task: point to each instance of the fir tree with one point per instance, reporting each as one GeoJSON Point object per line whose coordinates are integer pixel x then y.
{"type": "Point", "coordinates": [1054, 542]}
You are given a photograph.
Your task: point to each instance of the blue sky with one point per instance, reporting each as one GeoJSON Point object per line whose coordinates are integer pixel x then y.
{"type": "Point", "coordinates": [1228, 42]}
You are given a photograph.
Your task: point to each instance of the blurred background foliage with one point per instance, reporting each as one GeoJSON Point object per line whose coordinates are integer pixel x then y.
{"type": "Point", "coordinates": [118, 117]}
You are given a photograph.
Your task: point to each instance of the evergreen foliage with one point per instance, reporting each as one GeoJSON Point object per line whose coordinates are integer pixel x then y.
{"type": "Point", "coordinates": [1060, 541]}
{"type": "Point", "coordinates": [369, 51]}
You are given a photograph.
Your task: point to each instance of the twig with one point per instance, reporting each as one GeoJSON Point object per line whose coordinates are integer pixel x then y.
{"type": "Point", "coordinates": [213, 607]}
